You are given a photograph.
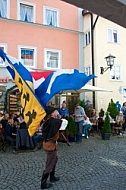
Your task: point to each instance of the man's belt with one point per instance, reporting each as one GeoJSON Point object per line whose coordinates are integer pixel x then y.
{"type": "Point", "coordinates": [52, 141]}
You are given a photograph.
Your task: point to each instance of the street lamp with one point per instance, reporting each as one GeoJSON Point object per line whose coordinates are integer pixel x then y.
{"type": "Point", "coordinates": [110, 62]}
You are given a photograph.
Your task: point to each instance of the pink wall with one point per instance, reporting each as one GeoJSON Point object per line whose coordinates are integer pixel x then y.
{"type": "Point", "coordinates": [18, 33]}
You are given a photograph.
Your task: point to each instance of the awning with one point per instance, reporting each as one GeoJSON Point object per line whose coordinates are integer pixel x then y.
{"type": "Point", "coordinates": [2, 88]}
{"type": "Point", "coordinates": [113, 10]}
{"type": "Point", "coordinates": [88, 88]}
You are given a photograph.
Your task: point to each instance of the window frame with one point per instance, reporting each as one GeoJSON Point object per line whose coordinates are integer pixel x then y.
{"type": "Point", "coordinates": [115, 79]}
{"type": "Point", "coordinates": [45, 59]}
{"type": "Point", "coordinates": [5, 50]}
{"type": "Point", "coordinates": [8, 9]}
{"type": "Point", "coordinates": [88, 67]}
{"type": "Point", "coordinates": [35, 55]}
{"type": "Point", "coordinates": [87, 40]}
{"type": "Point", "coordinates": [27, 4]}
{"type": "Point", "coordinates": [112, 34]}
{"type": "Point", "coordinates": [52, 9]}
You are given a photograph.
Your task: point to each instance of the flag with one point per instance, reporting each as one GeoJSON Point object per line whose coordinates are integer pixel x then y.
{"type": "Point", "coordinates": [32, 110]}
{"type": "Point", "coordinates": [66, 79]}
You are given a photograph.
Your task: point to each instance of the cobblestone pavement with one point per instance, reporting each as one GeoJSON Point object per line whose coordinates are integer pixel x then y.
{"type": "Point", "coordinates": [95, 164]}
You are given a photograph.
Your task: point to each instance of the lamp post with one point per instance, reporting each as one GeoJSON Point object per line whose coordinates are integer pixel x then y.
{"type": "Point", "coordinates": [110, 62]}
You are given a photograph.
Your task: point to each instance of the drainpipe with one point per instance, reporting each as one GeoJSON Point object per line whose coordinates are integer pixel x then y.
{"type": "Point", "coordinates": [92, 48]}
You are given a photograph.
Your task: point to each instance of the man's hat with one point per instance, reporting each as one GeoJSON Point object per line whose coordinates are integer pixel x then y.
{"type": "Point", "coordinates": [49, 110]}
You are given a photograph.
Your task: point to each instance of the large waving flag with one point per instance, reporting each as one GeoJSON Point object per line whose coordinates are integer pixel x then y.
{"type": "Point", "coordinates": [66, 79]}
{"type": "Point", "coordinates": [32, 110]}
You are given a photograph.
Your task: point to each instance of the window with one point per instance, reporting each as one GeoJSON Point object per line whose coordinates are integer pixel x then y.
{"type": "Point", "coordinates": [51, 17]}
{"type": "Point", "coordinates": [27, 56]}
{"type": "Point", "coordinates": [113, 36]}
{"type": "Point", "coordinates": [52, 59]}
{"type": "Point", "coordinates": [87, 70]}
{"type": "Point", "coordinates": [115, 73]}
{"type": "Point", "coordinates": [26, 12]}
{"type": "Point", "coordinates": [3, 47]}
{"type": "Point", "coordinates": [4, 8]}
{"type": "Point", "coordinates": [87, 38]}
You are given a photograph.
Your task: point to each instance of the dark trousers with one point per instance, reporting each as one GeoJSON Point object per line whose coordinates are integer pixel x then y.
{"type": "Point", "coordinates": [12, 141]}
{"type": "Point", "coordinates": [79, 126]}
{"type": "Point", "coordinates": [51, 161]}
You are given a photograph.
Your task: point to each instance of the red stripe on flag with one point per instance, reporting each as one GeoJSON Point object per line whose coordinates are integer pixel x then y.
{"type": "Point", "coordinates": [39, 74]}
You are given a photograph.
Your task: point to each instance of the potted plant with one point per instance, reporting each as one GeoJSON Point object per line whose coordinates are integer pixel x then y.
{"type": "Point", "coordinates": [106, 131]}
{"type": "Point", "coordinates": [112, 109]}
{"type": "Point", "coordinates": [71, 129]}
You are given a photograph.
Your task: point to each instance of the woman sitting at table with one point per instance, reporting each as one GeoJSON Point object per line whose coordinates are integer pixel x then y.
{"type": "Point", "coordinates": [94, 118]}
{"type": "Point", "coordinates": [119, 121]}
{"type": "Point", "coordinates": [87, 125]}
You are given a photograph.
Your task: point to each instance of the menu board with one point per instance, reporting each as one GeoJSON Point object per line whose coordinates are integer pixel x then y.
{"type": "Point", "coordinates": [13, 108]}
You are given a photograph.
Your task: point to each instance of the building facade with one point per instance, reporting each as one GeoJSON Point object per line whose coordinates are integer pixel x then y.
{"type": "Point", "coordinates": [103, 37]}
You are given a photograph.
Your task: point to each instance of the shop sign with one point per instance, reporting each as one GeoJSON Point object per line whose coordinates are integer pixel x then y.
{"type": "Point", "coordinates": [4, 80]}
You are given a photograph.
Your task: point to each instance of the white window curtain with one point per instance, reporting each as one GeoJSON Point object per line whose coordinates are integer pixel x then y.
{"type": "Point", "coordinates": [115, 36]}
{"type": "Point", "coordinates": [52, 59]}
{"type": "Point", "coordinates": [27, 57]}
{"type": "Point", "coordinates": [112, 36]}
{"type": "Point", "coordinates": [26, 13]}
{"type": "Point", "coordinates": [87, 70]}
{"type": "Point", "coordinates": [51, 17]}
{"type": "Point", "coordinates": [116, 73]}
{"type": "Point", "coordinates": [3, 8]}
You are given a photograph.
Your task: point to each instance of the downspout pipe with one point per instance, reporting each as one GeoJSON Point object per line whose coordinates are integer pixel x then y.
{"type": "Point", "coordinates": [92, 47]}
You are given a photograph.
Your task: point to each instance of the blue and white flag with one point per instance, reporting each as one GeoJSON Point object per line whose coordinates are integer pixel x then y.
{"type": "Point", "coordinates": [66, 79]}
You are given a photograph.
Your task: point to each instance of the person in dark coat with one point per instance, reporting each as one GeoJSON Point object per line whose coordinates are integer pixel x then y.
{"type": "Point", "coordinates": [7, 131]}
{"type": "Point", "coordinates": [50, 130]}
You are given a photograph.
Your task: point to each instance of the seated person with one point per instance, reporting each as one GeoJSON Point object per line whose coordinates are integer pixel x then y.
{"type": "Point", "coordinates": [8, 131]}
{"type": "Point", "coordinates": [100, 124]}
{"type": "Point", "coordinates": [63, 111]}
{"type": "Point", "coordinates": [15, 127]}
{"type": "Point", "coordinates": [36, 137]}
{"type": "Point", "coordinates": [87, 125]}
{"type": "Point", "coordinates": [119, 119]}
{"type": "Point", "coordinates": [94, 118]}
{"type": "Point", "coordinates": [11, 118]}
{"type": "Point", "coordinates": [119, 122]}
